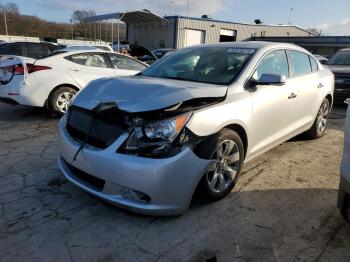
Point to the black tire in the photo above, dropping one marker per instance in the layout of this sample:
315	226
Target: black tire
316	131
55	105
208	150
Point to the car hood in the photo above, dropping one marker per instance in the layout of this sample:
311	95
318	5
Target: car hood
339	69
141	94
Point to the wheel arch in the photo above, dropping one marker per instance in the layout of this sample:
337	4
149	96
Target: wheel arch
330	99
57	87
242	134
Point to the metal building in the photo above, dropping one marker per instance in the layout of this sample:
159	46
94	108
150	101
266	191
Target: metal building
178	31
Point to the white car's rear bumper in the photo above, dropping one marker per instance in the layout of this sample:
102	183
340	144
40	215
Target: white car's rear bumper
17	92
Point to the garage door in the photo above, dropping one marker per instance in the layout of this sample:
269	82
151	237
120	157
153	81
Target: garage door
194	37
227	35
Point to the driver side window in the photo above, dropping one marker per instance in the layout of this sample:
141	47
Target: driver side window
274	63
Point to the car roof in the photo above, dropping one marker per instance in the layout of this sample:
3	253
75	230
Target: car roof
92	45
68	53
254	45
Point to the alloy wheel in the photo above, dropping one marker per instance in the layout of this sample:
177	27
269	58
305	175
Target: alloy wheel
322	117
225	166
63	101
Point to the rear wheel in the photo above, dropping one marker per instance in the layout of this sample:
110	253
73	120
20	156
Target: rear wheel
319	127
227	152
60	100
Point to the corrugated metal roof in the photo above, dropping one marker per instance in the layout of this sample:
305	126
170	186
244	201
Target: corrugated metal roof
141	16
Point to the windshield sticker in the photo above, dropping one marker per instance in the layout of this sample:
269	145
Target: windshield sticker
241	50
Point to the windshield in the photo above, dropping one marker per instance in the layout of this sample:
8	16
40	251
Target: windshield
214	65
340	58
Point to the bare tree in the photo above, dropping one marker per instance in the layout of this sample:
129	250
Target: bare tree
9	8
81	25
315	31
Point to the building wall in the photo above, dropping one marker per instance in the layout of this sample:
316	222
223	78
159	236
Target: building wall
171	34
244	31
152	35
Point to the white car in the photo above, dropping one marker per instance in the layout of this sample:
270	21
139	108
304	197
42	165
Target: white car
54	80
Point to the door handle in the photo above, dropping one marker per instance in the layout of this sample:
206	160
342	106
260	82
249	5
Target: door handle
292	95
75	70
320	85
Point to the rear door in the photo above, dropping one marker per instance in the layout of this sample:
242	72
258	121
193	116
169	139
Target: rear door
273	105
305	77
85	67
125	66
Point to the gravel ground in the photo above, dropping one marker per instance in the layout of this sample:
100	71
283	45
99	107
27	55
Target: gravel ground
282	209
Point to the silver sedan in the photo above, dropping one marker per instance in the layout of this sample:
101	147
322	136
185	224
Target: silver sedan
189	122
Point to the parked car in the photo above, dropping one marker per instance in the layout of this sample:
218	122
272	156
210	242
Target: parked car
323	60
88	47
344	186
122	45
142	54
191	121
339	64
159	53
53	81
29	49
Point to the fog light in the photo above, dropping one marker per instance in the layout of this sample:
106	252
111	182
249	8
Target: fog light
135	195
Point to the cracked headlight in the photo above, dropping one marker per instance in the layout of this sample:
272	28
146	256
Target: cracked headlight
156	138
167	129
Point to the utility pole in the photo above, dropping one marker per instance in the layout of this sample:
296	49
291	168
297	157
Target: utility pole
172	2
100	31
188	15
112	34
7	33
290	15
71	25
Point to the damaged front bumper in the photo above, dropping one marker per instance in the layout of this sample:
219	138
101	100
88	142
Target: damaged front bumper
145	185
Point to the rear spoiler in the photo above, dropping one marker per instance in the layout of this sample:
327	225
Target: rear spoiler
12	60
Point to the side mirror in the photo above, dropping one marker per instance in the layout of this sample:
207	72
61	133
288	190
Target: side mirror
269	79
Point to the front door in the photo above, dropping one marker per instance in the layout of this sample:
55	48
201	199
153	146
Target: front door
273	105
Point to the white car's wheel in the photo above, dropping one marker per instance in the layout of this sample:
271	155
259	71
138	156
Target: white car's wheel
60	100
318	129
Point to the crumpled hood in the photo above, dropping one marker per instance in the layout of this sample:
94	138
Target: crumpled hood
140	94
339	69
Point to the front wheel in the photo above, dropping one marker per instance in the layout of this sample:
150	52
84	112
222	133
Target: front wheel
318	129
60	100
226	151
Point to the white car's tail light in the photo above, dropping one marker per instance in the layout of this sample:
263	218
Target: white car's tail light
19	70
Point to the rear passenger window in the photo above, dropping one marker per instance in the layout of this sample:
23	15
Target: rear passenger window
89	59
11	49
314	65
274	63
300	63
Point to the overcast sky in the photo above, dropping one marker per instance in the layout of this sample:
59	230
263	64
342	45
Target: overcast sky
331	16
